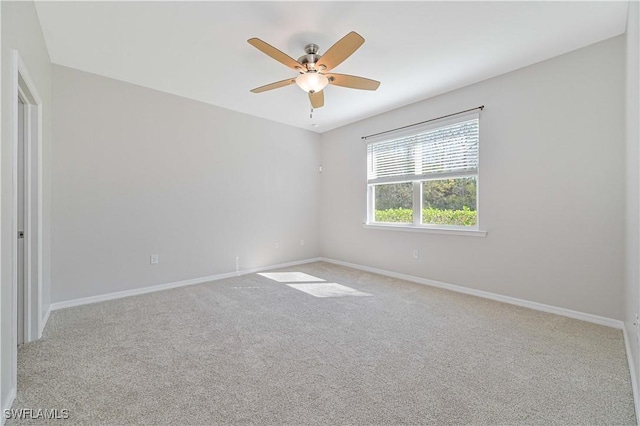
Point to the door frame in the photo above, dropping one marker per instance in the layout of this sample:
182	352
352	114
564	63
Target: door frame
23	139
25	88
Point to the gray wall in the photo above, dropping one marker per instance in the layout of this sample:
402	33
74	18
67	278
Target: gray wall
139	172
632	276
21	31
552	178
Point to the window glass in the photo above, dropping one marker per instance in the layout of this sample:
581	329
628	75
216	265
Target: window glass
449	202
394	202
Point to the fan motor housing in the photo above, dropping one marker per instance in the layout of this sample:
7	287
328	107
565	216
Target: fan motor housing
311	57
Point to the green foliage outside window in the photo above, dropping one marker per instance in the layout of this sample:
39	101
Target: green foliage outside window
449	194
464	217
444	202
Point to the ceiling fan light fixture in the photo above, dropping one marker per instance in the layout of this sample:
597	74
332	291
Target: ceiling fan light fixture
312	68
312	82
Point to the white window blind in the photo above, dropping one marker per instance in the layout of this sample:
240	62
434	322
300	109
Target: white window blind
438	152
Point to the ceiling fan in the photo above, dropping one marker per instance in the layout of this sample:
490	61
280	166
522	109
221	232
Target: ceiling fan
313	68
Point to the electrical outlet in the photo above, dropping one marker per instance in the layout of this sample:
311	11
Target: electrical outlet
301	242
416	254
276	245
154	259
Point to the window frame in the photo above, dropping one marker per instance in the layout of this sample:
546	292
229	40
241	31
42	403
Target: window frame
417	204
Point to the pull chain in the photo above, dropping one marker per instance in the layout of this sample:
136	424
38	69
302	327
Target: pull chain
311	113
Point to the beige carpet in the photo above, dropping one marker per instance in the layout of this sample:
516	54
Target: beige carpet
251	350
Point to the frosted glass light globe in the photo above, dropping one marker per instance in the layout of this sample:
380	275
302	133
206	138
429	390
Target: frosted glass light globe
312	82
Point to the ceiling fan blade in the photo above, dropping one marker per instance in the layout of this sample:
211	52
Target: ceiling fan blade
279	56
275	85
352	82
317	99
340	51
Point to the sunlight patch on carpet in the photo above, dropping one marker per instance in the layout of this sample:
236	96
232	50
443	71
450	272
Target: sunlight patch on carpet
290	277
328	290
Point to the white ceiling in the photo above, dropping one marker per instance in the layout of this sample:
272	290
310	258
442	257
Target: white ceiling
416	49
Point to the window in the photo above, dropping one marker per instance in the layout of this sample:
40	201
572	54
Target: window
427	176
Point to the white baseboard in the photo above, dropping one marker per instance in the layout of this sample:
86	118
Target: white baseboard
609	322
632	371
167	286
43	322
7	403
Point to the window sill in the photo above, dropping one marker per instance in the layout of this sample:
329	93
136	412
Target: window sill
426	229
